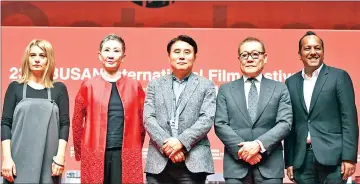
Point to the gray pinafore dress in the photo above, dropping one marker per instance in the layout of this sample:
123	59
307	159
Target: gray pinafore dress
35	139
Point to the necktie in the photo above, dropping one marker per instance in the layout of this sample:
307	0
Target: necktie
253	99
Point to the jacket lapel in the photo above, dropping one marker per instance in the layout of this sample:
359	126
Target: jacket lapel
168	93
318	86
300	88
266	91
191	85
238	94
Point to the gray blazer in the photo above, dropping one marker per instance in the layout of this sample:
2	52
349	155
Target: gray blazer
272	125
197	110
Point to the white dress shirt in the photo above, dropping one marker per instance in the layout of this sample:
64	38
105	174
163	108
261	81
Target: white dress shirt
308	88
247	85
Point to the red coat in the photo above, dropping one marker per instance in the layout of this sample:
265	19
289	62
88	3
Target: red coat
89	134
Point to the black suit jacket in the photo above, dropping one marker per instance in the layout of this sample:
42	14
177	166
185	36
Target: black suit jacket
331	120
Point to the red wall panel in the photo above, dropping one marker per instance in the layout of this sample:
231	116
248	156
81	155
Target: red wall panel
316	15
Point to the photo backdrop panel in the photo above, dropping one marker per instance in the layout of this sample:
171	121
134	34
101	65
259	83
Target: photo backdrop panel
76	53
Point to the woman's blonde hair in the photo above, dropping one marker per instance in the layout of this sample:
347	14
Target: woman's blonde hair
48	75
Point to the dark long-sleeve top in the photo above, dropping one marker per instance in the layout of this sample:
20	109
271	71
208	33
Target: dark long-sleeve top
14	95
115	125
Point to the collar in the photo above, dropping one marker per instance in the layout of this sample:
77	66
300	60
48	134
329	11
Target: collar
107	78
258	78
183	80
314	74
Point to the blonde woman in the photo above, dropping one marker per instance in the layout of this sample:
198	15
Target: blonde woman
35	120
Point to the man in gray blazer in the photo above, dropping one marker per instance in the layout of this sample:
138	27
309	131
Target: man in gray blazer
253	115
178	113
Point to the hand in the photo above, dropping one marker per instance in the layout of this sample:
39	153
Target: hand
255	159
248	150
290	173
8	169
171	146
179	156
347	169
57	165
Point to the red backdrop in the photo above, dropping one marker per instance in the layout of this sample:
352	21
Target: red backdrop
76	58
212	14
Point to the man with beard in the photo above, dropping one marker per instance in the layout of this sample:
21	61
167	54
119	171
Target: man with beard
323	144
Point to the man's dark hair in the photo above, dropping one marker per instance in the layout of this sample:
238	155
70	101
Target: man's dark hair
309	33
183	38
113	37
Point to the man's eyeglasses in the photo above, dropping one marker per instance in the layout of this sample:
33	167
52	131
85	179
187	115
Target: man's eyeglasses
254	54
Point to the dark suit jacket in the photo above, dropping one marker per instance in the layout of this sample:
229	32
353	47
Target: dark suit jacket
272	125
332	119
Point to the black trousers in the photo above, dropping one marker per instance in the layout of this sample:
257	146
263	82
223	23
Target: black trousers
112	171
313	172
176	173
254	177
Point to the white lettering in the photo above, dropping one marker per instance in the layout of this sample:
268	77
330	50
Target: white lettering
75	74
216	75
15	73
278	75
132	74
223	75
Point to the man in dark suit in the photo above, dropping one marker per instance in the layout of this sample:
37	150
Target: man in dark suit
323	143
253	115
